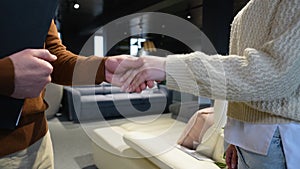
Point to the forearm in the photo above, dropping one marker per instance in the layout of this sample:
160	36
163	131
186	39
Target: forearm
71	69
253	77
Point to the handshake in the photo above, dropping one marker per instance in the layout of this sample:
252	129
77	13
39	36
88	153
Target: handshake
33	70
135	74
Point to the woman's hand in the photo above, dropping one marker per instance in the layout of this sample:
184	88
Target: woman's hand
231	157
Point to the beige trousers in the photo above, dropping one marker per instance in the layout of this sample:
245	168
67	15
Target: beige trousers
37	156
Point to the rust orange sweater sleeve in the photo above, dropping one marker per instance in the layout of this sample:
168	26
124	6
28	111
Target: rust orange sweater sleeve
6	77
71	69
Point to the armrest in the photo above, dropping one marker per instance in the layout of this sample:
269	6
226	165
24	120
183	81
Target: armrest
163	154
73	100
101	90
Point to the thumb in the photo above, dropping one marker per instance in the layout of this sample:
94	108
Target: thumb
44	54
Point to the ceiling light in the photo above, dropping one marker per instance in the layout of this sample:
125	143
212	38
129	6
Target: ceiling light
188	15
76	5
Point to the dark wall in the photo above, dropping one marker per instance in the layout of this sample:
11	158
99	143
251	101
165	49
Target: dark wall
217	17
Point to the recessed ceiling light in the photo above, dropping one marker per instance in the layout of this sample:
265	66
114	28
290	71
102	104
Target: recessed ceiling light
76	6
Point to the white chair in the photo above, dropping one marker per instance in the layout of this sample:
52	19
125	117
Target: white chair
152	143
53	97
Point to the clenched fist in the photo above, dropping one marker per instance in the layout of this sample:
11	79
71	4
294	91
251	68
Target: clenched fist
32	72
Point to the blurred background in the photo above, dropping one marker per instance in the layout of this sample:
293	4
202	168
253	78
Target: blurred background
78	20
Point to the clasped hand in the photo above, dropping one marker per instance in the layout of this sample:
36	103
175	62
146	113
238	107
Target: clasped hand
135	74
32	68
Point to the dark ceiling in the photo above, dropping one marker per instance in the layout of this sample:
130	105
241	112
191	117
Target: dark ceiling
95	13
77	25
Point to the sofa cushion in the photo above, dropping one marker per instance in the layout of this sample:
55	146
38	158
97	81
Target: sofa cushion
164	127
212	144
154	127
110	151
108	142
163	154
111	140
196	127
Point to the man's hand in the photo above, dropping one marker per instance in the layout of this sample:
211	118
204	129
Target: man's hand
231	157
117	66
32	72
121	67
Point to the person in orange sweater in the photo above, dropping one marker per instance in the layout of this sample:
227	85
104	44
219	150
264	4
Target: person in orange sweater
25	74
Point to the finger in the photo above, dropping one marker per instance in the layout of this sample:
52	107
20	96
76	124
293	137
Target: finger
138	79
130	78
228	163
116	80
43	54
150	84
228	158
234	160
143	86
42	65
138	90
126	75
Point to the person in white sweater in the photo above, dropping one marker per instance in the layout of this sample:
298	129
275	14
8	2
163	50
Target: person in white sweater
259	78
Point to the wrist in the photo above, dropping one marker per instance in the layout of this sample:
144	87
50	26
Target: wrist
162	67
104	70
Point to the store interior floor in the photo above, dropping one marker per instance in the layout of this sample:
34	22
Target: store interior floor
71	144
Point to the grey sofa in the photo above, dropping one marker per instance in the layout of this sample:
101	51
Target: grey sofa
101	102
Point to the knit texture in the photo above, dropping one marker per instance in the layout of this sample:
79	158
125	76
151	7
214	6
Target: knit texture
260	77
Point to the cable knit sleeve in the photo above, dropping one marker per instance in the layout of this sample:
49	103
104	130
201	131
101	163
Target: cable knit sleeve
270	71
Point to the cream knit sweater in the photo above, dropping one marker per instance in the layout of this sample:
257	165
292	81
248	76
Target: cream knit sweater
261	76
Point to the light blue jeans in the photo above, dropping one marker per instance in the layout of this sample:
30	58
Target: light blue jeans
275	158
